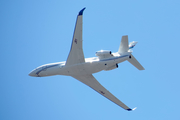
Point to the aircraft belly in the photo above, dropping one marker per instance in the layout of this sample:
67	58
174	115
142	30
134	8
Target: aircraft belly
75	70
93	67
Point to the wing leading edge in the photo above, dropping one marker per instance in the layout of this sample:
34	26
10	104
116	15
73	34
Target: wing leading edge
76	54
90	81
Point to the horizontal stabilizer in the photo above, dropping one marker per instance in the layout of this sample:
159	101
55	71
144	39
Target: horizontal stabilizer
134	62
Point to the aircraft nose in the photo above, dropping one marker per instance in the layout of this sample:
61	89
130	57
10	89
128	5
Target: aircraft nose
33	74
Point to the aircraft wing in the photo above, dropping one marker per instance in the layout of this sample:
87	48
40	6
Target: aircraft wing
76	54
90	81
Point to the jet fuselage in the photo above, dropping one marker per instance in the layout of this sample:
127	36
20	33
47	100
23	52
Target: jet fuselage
92	65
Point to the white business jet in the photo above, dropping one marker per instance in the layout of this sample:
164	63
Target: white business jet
82	68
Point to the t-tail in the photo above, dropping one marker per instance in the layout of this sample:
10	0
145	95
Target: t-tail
125	48
132	44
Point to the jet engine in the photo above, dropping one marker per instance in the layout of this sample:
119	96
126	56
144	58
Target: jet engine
112	67
103	53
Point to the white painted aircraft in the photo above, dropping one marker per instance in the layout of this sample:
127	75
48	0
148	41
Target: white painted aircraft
82	68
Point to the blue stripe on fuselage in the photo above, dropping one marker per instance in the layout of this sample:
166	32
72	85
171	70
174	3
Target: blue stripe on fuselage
114	58
46	67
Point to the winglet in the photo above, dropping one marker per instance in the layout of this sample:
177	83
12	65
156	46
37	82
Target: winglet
81	12
131	109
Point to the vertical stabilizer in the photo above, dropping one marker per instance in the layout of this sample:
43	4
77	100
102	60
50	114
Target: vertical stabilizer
124	47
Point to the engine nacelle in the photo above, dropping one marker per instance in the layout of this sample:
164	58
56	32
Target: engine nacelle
103	53
112	67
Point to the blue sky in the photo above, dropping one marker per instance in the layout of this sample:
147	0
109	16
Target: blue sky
36	32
